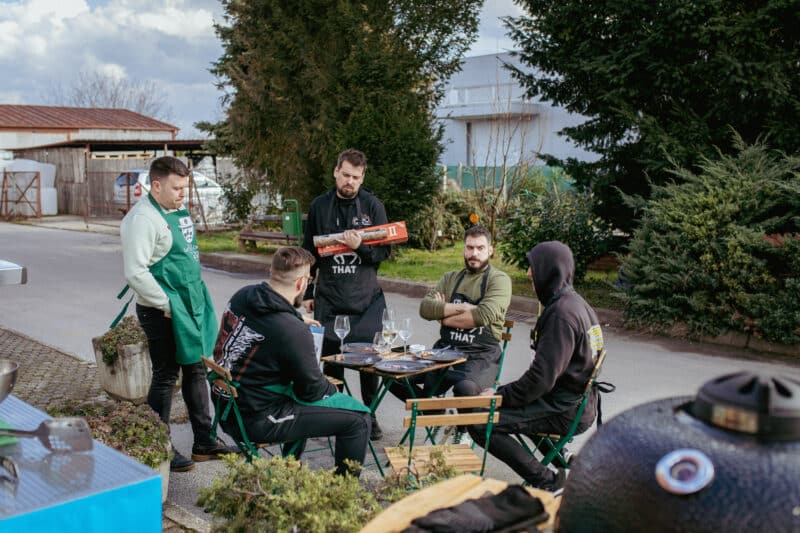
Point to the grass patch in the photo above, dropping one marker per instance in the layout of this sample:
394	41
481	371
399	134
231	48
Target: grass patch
423	266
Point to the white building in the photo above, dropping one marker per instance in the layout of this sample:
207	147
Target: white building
489	123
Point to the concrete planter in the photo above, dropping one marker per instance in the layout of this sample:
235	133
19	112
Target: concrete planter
129	377
163	470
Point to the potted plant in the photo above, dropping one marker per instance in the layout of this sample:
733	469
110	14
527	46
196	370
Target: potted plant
123	362
135	430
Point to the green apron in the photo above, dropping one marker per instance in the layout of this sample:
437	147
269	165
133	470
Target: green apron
178	273
336	400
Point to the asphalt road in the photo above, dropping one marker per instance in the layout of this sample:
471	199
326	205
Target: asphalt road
74	278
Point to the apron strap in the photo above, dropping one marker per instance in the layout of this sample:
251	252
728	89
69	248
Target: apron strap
484	281
124	307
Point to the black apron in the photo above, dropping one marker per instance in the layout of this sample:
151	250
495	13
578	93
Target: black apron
478	344
345	287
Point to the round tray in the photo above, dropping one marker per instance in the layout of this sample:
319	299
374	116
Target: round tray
400	366
440	356
357	359
359	347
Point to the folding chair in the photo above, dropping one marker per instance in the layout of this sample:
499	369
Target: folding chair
460	456
551	446
506	336
221	378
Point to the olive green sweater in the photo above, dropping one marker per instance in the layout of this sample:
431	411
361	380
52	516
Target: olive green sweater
491	311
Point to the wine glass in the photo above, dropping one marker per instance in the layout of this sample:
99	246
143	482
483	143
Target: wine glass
404	330
341	326
378	342
388	314
389	333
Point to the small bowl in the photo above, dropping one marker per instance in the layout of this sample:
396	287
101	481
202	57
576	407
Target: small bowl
8	377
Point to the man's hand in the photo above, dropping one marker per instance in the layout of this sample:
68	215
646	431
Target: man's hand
351	239
439	297
167	314
310	321
308	305
488	392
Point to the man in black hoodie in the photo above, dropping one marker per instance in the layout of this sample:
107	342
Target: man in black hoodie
565	343
269	350
347	283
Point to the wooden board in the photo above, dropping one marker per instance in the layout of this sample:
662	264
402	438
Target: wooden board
460	456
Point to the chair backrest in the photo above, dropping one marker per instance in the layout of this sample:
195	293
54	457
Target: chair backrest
221	377
456	419
598	364
506	337
420	405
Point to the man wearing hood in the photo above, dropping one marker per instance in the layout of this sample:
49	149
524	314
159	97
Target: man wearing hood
565	343
347	283
269	350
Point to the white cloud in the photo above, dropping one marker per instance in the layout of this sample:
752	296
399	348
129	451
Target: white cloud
112	70
492	33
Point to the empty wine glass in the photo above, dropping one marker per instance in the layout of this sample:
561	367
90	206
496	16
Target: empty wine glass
404	330
388	314
389	333
341	326
378	342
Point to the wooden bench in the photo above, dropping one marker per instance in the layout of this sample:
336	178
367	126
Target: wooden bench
460	456
249	238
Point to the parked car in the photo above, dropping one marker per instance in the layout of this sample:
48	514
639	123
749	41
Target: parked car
131	185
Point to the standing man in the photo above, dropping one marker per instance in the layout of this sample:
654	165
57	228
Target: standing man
162	266
269	350
347	283
565	343
471	306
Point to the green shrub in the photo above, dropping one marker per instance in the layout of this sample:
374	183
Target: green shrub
438	223
135	430
128	331
721	249
554	215
285	495
238	201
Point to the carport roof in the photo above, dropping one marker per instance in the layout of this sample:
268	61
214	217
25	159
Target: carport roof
37	116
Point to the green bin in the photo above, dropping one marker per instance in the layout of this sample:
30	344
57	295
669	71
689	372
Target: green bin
292	219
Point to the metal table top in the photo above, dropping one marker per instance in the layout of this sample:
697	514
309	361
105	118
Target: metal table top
49	479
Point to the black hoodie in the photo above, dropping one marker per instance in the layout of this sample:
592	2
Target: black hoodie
263	341
567	336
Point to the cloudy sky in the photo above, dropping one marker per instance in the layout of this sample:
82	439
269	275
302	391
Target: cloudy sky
169	42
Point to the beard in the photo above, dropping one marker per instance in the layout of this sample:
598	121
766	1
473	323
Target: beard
473	270
347	194
298	300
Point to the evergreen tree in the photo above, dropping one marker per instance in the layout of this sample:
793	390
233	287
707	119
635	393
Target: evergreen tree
661	79
307	78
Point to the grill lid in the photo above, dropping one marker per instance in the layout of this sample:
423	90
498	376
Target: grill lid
757	404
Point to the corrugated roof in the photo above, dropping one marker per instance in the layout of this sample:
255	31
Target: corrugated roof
39	116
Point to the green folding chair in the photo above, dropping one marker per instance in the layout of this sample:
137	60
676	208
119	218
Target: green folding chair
221	378
550	446
506	336
460	456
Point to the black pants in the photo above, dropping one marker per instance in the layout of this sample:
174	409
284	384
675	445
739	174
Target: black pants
526	420
350	428
161	344
369	382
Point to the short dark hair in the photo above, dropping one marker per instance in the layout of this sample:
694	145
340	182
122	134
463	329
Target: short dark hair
286	261
162	167
352	156
477	231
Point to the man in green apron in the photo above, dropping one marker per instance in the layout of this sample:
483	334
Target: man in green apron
269	350
162	266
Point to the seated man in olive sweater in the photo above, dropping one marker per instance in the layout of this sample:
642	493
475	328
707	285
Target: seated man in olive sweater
471	306
565	343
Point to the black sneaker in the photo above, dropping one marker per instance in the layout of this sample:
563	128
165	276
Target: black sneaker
377	432
180	463
208	452
556	483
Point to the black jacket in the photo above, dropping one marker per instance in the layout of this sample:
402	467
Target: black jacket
566	339
263	341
